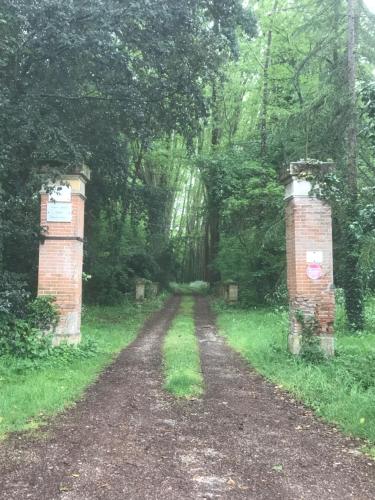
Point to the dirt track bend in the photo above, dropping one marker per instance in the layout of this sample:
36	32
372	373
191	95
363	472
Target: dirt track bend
127	439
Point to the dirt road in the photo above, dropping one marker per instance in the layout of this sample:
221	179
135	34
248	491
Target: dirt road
128	439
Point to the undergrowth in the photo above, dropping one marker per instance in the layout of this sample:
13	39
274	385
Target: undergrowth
33	389
340	390
193	288
182	369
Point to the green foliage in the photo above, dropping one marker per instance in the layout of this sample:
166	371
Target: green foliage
311	351
182	370
42	313
14	295
45	356
117	255
194	288
252	250
359	365
18	338
100	83
307	111
30	338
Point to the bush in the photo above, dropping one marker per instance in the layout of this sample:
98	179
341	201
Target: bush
42	313
30	337
199	287
194	288
18	338
311	351
14	295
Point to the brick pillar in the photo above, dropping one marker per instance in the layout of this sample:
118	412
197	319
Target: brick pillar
309	256
61	251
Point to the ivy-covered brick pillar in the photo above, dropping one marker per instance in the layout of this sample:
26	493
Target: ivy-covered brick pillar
61	250
309	257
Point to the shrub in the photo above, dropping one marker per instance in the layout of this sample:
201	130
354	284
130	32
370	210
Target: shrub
194	288
30	337
18	338
311	351
14	295
42	313
199	287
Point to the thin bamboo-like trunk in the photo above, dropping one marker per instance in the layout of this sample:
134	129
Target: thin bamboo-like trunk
265	96
352	77
353	283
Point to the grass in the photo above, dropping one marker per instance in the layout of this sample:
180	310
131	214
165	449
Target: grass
341	391
193	288
29	396
182	370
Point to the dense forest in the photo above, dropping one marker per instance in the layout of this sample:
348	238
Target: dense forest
185	113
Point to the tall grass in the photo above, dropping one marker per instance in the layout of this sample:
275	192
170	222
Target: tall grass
28	396
182	371
341	390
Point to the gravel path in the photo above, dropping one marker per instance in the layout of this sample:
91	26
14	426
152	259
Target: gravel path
128	439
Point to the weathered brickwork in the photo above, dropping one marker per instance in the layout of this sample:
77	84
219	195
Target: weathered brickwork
61	260
309	232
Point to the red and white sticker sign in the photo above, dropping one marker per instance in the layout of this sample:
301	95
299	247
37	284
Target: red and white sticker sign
314	271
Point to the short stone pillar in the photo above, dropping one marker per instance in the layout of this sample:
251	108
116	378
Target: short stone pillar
61	250
309	256
229	292
140	287
232	293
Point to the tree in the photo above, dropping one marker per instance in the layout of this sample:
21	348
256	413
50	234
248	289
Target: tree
85	81
353	274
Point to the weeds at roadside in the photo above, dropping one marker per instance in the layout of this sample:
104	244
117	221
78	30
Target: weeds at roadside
340	390
34	389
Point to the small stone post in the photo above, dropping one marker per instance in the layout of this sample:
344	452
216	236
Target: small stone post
309	256
232	293
61	251
140	286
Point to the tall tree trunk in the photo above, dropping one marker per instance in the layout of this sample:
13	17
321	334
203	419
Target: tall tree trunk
352	77
215	134
265	96
214	222
212	236
206	252
353	282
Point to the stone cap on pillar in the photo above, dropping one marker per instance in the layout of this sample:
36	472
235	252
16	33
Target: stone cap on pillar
83	171
298	176
305	169
76	179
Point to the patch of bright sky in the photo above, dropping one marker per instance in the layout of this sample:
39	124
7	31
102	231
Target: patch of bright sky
370	4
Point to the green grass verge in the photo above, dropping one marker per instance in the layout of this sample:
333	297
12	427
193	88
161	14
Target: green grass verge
27	397
182	370
341	391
